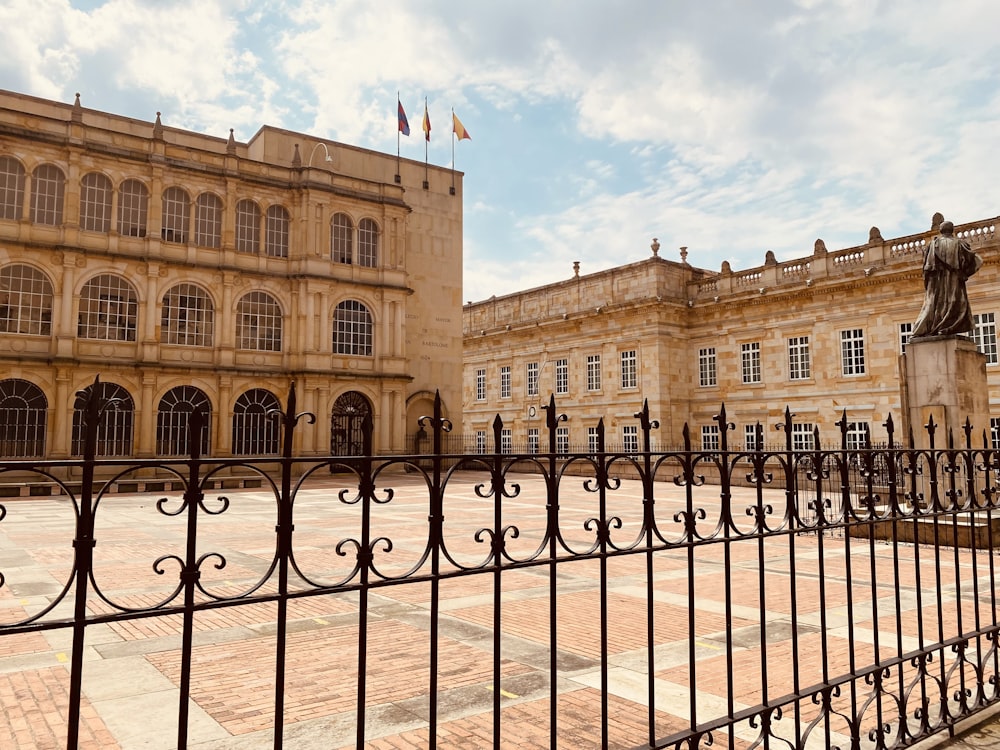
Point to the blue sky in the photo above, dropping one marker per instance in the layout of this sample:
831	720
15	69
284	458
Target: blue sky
728	127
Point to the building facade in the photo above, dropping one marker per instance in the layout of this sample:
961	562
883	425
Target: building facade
195	272
821	336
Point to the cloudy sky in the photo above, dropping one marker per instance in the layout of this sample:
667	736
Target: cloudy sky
730	127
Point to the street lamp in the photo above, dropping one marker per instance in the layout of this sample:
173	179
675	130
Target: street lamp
325	151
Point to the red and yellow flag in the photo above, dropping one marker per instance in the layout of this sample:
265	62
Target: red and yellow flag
459	128
427	123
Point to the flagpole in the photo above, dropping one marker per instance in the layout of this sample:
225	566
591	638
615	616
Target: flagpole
427	140
452	150
398	105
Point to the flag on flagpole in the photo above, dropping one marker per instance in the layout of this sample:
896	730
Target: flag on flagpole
459	128
427	123
404	125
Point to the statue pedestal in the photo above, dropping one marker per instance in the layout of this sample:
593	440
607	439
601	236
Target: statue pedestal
945	377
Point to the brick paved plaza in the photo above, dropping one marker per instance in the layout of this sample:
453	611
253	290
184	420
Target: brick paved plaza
132	668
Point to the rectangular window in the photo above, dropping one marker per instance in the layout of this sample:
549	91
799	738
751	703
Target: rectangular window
706	367
531	379
857	433
592	443
995	433
710	440
798	358
852	351
905	331
532	440
750	362
802	437
506	440
750	438
505	381
480	385
593	372
562	439
630	438
630	370
562	376
984	333
480	441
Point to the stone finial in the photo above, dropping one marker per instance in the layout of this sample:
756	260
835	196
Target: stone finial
819	247
684	254
726	268
576	268
769	259
936	221
158	128
874	235
77	115
296	157
231	143
655	247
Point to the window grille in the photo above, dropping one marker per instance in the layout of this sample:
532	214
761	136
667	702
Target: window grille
505	381
480	385
346	421
176	215
95	202
208	220
905	331
630	438
750	361
984	333
531	379
133	209
25	301
173	419
710	437
276	232
188	316
114	430
367	243
629	370
258	323
108	309
352	329
11	188
255	431
562	439
247	227
593	372
48	187
341	238
852	351
562	376
532	440
707	367
23	418
798	358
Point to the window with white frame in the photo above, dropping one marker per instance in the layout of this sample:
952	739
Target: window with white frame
750	362
995	433
342	239
353	332
480	441
95	202
276	232
857	433
11	188
258	322
593	372
710	437
25	301
208	220
108	309
562	439
506	440
247	227
48	188
188	316
505	381
532	440
133	208
798	358
852	351
984	333
629	369
630	438
593	442
531	379
905	331
480	385
802	436
706	367
176	215
751	438
562	376
367	243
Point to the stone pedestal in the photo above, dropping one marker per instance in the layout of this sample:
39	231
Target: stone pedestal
945	377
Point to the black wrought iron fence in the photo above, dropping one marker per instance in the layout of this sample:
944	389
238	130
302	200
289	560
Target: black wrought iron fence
665	611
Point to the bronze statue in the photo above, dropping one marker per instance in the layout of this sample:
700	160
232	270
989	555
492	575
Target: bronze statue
948	263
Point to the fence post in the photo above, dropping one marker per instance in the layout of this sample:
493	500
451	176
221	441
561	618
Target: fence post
552	421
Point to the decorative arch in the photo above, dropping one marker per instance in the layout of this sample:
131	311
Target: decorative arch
346	420
353	331
23	417
116	421
255	433
25	300
109	309
173	419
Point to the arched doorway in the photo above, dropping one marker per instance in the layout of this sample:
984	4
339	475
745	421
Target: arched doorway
348	414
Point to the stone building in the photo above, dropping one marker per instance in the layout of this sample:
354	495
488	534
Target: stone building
195	272
821	335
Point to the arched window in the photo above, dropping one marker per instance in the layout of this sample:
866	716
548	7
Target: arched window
95	202
48	187
352	329
258	323
25	301
341	238
276	235
133	209
367	243
247	227
114	428
11	188
173	417
108	309
188	316
23	415
176	215
208	220
255	433
346	420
